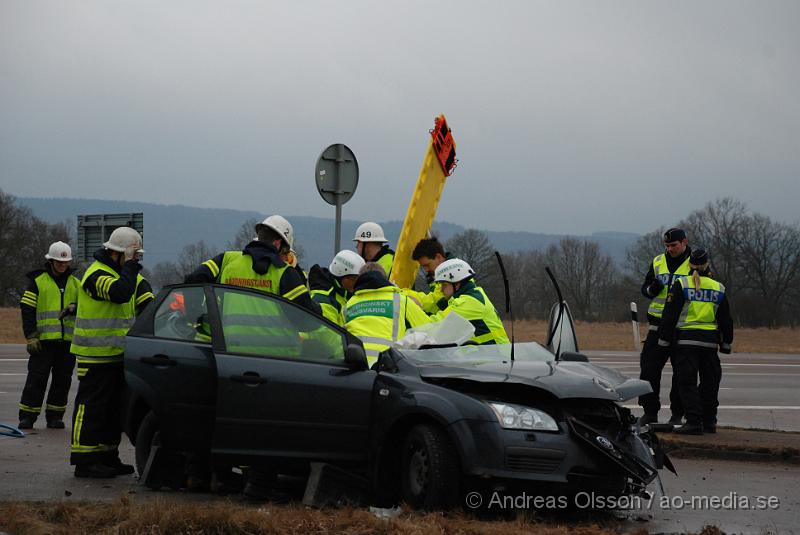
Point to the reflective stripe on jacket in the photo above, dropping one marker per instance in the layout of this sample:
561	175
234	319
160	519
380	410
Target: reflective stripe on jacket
100	325
472	304
49	303
331	302
379	317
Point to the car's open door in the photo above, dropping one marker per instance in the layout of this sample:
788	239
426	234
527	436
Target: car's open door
561	336
283	389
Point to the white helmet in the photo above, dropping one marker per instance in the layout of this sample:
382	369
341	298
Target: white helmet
59	251
122	238
453	270
280	225
346	263
370	231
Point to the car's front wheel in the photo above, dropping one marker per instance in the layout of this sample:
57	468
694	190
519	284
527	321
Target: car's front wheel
429	470
146	437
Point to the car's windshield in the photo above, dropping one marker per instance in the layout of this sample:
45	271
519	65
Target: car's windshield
472	354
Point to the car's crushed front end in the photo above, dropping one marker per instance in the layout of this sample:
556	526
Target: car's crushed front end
548	427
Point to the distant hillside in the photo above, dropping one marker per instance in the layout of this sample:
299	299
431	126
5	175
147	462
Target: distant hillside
168	228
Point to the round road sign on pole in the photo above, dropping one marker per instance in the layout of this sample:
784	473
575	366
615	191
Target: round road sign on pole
337	174
337	178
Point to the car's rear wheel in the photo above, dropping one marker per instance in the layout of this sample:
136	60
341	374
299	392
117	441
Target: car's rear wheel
429	475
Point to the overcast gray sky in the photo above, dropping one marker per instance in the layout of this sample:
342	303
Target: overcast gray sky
570	117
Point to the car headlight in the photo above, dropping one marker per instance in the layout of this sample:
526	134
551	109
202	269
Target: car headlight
519	417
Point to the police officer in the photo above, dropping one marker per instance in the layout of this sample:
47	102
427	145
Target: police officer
665	268
260	265
379	313
469	301
429	253
373	246
331	286
697	319
112	291
51	296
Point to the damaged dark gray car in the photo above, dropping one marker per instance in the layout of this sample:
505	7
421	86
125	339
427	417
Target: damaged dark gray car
423	426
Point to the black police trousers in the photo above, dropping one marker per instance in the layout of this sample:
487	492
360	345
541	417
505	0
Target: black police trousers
651	363
700	401
97	419
56	360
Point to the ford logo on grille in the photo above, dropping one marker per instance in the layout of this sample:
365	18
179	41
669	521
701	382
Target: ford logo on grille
605	443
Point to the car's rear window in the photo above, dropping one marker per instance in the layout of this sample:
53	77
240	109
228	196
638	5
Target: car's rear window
472	354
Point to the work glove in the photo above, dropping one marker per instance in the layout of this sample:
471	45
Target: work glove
69	310
34	346
725	349
655	288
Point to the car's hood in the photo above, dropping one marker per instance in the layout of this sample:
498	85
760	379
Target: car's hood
562	379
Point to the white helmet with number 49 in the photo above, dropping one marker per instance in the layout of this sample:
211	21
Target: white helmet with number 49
370	232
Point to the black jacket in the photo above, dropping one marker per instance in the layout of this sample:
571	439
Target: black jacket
123	288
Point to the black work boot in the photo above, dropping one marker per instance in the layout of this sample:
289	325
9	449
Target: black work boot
710	427
689	429
26	423
676	420
120	468
647	419
96	470
55	423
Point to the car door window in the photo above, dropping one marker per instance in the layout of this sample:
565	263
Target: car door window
263	325
183	315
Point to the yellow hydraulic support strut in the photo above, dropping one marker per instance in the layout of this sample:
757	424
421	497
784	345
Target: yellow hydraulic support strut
438	164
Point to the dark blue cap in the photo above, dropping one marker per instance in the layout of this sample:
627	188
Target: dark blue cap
674	234
698	257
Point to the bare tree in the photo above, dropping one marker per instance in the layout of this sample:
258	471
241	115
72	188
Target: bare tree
165	273
718	227
192	256
24	240
770	258
585	275
244	235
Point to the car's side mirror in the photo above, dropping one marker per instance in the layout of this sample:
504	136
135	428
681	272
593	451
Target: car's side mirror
571	356
355	357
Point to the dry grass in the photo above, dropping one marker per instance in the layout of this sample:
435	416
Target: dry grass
225	517
11	326
609	336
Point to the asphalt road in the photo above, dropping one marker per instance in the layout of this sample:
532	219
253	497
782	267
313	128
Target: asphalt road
757	390
37	467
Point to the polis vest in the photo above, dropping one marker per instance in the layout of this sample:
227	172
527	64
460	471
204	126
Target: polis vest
663	274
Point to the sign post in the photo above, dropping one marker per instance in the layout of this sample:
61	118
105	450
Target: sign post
336	176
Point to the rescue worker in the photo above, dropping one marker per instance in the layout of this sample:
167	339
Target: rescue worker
260	265
379	313
429	253
696	320
51	295
664	270
469	301
112	290
331	286
373	246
